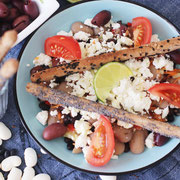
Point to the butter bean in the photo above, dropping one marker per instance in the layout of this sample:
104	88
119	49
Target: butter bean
10	162
30	157
28	174
42	177
15	174
5	133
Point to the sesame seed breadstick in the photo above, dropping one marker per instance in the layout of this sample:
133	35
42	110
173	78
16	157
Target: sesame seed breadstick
59	97
6	42
97	61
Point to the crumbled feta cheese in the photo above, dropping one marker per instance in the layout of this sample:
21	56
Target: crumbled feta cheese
53	84
42	117
82	127
107	177
160	62
64	33
149	142
114	157
81	35
124	124
81	141
127	41
115	25
66	110
165	112
54	113
154	38
42	59
107	35
158	111
88	22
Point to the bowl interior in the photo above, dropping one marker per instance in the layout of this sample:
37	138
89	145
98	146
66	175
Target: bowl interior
29	105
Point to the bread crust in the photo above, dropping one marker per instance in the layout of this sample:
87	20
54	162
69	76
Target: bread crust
95	62
59	97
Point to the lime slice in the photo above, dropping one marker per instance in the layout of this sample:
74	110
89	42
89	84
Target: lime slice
73	1
107	77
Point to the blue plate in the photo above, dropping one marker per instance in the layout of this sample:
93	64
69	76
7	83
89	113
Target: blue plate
28	104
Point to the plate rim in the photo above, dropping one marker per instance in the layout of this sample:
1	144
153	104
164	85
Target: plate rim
31	134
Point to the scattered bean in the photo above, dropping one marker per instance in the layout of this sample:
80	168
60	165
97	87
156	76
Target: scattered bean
5	133
1	176
107	177
54	130
101	18
15	174
122	134
30	157
137	142
41	176
10	162
79	26
28	174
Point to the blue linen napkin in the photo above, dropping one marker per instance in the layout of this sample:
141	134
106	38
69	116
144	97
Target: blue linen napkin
168	169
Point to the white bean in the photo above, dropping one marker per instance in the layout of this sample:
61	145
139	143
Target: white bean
5	133
1	176
42	177
107	177
10	162
1	142
28	174
30	157
15	174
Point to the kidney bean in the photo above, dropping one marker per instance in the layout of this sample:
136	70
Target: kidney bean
122	134
53	131
137	142
31	9
160	140
79	26
101	18
18	4
175	56
13	14
21	22
4	11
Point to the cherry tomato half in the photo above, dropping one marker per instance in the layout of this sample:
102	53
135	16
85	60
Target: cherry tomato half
102	144
170	92
142	31
62	46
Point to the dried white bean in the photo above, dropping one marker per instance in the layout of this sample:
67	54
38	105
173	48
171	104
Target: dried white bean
30	157
5	133
42	177
10	162
43	151
107	177
28	174
1	141
1	176
15	174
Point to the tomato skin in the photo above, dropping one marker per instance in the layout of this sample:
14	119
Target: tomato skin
62	46
169	91
144	30
92	155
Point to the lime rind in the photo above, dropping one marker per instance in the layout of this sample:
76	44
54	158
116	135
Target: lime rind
107	77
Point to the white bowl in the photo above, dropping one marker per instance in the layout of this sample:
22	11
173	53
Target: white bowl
46	8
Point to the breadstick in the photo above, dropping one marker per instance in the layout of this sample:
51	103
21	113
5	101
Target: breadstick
59	97
6	42
8	69
97	61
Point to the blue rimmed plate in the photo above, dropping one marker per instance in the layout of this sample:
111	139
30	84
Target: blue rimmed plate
28	104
